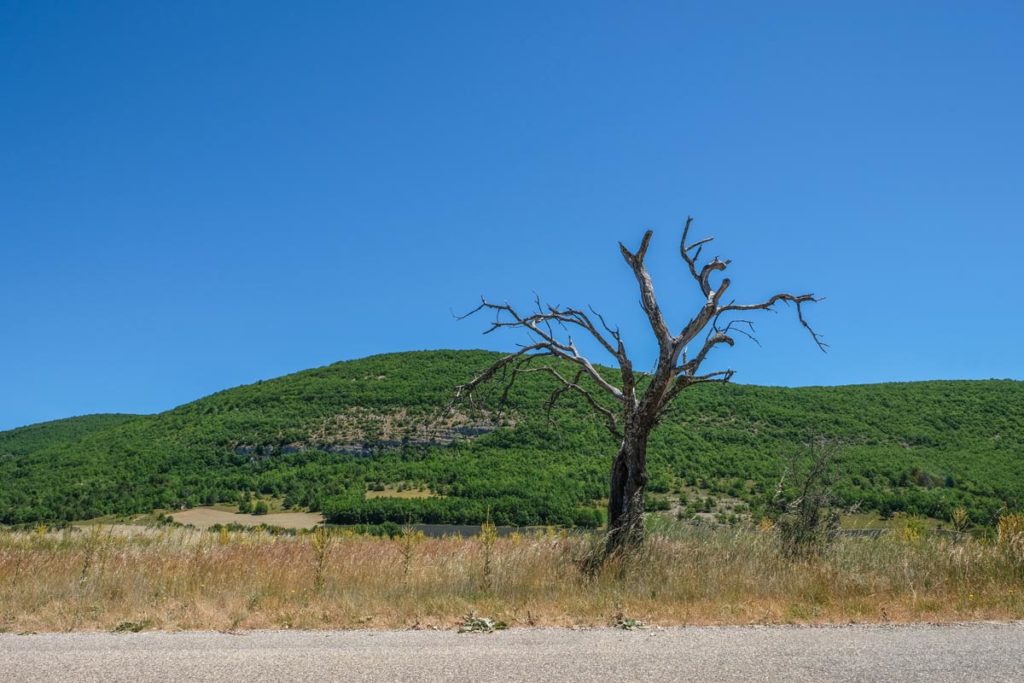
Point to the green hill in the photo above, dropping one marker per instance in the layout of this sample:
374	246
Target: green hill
334	438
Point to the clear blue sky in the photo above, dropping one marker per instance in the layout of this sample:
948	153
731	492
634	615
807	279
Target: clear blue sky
198	195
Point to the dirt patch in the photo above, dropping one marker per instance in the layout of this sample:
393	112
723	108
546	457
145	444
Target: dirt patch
203	518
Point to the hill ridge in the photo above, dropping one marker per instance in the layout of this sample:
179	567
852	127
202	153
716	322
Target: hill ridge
923	446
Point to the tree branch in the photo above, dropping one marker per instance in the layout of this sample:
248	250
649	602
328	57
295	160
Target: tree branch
465	391
798	299
566	385
712	309
539	326
670	375
647	299
684	381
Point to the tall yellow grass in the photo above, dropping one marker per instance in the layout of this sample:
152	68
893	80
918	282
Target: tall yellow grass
187	579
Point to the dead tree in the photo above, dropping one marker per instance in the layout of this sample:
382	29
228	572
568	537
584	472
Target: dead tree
806	517
638	400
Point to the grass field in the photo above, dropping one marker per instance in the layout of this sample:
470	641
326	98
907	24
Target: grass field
174	578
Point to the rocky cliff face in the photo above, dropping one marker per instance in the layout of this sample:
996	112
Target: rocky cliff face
364	432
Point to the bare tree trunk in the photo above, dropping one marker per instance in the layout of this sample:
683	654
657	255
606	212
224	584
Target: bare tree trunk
626	496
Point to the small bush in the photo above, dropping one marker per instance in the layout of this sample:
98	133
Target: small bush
320	541
959	519
806	520
488	537
1010	537
407	542
474	624
627	623
132	626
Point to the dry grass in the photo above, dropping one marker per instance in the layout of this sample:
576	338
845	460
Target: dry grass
188	579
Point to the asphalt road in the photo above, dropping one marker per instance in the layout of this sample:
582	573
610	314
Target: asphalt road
979	652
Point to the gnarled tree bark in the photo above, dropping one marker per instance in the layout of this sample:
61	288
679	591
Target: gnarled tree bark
635	411
626	491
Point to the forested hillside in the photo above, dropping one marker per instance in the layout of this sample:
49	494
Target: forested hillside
25	440
323	438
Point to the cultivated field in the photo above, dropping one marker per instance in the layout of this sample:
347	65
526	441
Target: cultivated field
204	518
173	578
